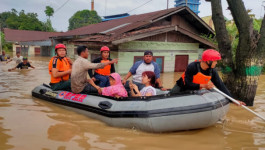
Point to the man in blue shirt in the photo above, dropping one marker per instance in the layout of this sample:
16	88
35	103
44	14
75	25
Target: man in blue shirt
147	64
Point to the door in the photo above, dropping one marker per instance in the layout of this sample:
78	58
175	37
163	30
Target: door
160	61
181	62
37	51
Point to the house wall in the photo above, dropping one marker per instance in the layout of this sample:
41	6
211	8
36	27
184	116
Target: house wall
128	50
170	37
31	49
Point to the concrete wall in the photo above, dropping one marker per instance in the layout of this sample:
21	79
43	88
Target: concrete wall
128	50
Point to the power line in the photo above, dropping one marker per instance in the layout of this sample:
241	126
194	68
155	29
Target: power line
140	6
61	6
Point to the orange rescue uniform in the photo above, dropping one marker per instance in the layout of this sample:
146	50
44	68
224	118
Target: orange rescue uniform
104	71
62	65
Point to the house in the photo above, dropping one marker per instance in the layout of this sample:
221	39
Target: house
174	35
31	43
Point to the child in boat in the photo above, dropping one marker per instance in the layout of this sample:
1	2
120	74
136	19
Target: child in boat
148	79
116	89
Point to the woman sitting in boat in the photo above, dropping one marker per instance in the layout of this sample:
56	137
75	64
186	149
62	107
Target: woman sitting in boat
148	79
116	89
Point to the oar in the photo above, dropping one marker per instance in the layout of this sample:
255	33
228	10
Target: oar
235	101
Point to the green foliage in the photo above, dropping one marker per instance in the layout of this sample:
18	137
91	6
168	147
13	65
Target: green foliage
23	21
48	26
6	46
49	11
210	38
83	18
234	35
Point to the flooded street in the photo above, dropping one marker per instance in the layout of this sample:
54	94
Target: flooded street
28	123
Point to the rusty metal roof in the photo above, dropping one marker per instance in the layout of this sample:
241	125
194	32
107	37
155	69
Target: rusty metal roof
122	25
12	35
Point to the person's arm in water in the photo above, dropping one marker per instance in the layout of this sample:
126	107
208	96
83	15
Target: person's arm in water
31	65
90	81
18	66
12	69
9	61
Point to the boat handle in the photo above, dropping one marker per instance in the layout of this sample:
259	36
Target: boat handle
105	105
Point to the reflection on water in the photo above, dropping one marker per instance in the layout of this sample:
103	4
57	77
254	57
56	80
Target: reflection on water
30	123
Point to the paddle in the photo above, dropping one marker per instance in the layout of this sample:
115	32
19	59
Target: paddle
235	101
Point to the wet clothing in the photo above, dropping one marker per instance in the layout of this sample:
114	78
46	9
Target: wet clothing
62	65
148	89
140	66
79	73
116	90
63	85
18	59
188	82
102	74
23	66
4	57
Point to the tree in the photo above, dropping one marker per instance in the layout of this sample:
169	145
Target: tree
21	20
241	75
49	11
83	18
48	24
6	46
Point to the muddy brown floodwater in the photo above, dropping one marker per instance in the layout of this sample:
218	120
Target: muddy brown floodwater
28	123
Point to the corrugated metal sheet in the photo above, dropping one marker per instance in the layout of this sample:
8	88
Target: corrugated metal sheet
12	35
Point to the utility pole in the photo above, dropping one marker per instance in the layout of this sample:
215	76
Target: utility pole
0	39
92	4
167	4
186	2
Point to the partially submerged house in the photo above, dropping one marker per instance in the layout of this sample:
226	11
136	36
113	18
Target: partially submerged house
174	35
31	43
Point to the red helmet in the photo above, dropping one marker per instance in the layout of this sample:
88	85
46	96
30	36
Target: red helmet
211	55
60	46
104	48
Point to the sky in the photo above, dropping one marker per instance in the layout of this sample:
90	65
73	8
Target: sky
110	7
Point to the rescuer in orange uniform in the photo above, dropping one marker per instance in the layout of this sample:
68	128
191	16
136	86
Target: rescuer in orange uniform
102	75
60	69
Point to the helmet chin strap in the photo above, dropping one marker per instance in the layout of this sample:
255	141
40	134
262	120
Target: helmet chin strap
209	64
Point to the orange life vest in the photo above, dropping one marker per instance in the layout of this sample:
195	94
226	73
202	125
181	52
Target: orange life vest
62	65
199	78
104	71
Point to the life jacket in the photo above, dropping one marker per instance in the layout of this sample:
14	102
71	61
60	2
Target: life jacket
62	65
199	78
104	71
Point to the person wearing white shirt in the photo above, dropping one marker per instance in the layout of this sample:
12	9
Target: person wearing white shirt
18	58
